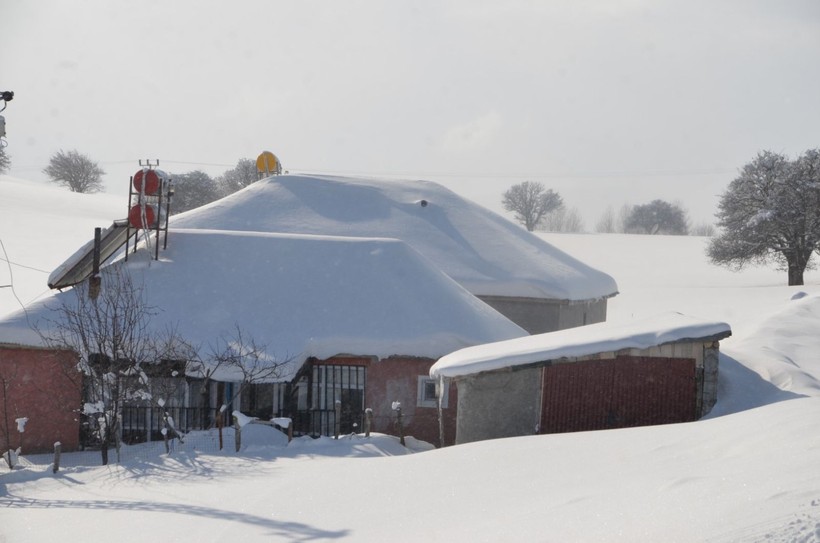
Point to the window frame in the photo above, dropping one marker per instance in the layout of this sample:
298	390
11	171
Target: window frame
422	400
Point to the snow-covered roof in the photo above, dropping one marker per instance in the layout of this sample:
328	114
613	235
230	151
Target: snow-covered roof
482	251
578	342
299	295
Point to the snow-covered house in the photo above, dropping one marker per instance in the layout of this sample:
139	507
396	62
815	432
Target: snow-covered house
654	371
359	320
533	283
260	261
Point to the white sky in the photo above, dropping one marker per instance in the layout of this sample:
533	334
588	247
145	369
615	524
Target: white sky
606	102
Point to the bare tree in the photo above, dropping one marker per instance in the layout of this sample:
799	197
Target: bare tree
244	360
240	358
75	171
562	220
703	229
112	337
623	218
5	160
530	201
606	224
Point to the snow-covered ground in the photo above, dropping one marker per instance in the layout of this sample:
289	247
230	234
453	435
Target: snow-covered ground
748	472
41	225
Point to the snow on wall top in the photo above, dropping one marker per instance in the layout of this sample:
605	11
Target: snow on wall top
300	295
577	342
482	251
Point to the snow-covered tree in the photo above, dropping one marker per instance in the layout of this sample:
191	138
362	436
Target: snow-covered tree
76	171
192	190
239	177
771	213
111	335
531	201
657	217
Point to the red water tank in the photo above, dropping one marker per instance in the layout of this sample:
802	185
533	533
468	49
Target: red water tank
149	178
135	216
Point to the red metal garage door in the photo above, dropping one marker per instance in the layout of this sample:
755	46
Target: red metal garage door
628	391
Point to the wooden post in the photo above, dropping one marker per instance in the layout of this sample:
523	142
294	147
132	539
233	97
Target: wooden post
290	432
368	421
57	448
9	458
220	424
338	425
95	282
165	432
237	433
399	421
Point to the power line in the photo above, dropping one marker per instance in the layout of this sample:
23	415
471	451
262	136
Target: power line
605	174
11	280
23	265
533	175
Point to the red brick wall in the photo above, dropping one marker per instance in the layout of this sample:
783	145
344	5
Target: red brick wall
396	379
43	386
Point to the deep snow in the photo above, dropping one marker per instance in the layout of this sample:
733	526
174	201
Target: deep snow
748	472
483	252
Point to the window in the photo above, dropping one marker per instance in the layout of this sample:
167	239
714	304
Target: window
428	393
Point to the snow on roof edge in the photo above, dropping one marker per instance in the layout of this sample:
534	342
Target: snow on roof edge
577	342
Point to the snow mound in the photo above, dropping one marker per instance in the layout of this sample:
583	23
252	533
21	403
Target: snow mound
783	349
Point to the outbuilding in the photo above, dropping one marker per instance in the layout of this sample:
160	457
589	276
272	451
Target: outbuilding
654	371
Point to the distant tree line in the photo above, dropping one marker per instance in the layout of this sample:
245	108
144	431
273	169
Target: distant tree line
655	217
538	208
79	173
197	188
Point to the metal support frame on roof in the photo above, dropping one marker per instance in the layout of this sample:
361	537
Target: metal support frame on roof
81	265
139	198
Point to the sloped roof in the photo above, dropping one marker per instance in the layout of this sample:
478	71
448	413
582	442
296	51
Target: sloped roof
577	342
300	295
482	251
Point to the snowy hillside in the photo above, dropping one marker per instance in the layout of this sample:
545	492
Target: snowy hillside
41	225
749	472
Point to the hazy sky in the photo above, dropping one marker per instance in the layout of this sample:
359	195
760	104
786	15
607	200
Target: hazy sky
607	102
